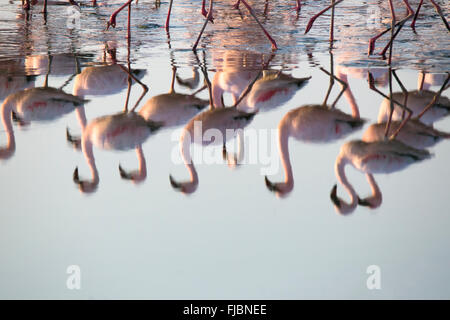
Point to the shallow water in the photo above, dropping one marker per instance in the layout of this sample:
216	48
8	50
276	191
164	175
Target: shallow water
231	237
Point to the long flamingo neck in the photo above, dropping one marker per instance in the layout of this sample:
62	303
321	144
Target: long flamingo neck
81	116
185	146
6	152
141	162
348	94
283	145
217	91
376	197
340	173
88	152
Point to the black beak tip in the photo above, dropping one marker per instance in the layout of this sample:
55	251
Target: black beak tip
363	202
76	177
269	184
333	196
173	183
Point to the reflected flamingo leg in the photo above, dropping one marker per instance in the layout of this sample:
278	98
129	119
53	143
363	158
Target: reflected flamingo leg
250	10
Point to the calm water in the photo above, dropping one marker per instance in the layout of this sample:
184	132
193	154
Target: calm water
230	237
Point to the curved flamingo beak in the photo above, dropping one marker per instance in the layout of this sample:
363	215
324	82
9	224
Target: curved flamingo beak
134	176
187	187
84	185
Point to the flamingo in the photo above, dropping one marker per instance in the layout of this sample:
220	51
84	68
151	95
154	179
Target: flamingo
312	123
417	101
414	133
13	78
235	71
273	89
172	109
34	104
221	119
394	23
384	156
122	131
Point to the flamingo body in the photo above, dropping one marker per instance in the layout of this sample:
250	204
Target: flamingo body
381	156
316	123
417	101
43	104
172	109
274	90
123	131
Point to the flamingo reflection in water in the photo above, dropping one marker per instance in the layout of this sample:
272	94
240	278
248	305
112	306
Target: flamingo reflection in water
377	153
218	119
319	123
123	131
34	105
173	109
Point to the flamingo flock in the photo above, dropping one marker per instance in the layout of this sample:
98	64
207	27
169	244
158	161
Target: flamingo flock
400	137
396	24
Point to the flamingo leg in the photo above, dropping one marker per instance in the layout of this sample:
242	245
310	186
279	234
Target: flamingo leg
311	21
405	108
26	5
439	11
112	18
332	24
436	96
129	24
236	5
413	23
168	15
208	16
400	24
298	6
252	13
205	13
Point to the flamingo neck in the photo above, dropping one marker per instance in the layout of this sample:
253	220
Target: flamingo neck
6	152
81	116
88	152
217	91
348	94
376	198
283	146
185	146
340	173
141	162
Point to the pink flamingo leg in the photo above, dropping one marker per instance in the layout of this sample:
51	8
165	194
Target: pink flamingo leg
413	23
168	16
298	6
112	19
400	24
236	5
205	13
311	21
272	41
439	11
208	17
